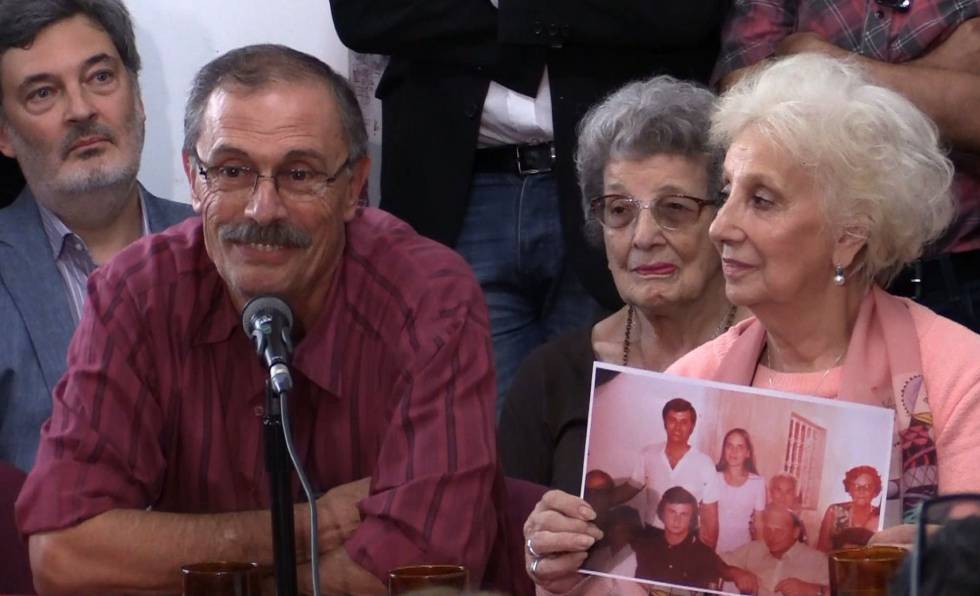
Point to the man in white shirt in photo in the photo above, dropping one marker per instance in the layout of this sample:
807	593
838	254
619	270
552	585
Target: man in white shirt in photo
676	463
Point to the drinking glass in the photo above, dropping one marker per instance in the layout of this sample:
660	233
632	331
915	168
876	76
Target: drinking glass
222	578
405	580
863	571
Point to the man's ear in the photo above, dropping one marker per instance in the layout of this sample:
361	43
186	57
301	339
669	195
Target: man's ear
195	182
358	182
5	145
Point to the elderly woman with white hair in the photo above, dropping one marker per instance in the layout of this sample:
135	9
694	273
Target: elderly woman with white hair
830	185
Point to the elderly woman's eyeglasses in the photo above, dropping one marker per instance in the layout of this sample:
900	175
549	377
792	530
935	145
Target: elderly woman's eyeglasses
299	184
936	512
671	212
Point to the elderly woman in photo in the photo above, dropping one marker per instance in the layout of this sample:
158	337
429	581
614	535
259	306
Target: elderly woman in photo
831	185
649	182
863	483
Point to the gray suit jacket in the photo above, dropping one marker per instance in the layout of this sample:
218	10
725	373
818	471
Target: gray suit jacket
36	322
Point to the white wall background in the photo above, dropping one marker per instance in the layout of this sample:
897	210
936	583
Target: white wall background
177	37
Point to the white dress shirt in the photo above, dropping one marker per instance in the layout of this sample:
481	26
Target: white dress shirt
511	118
695	473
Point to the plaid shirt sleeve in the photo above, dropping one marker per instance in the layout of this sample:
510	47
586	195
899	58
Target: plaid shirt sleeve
751	33
431	493
98	451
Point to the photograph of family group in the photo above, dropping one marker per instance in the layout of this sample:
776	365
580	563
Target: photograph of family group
728	489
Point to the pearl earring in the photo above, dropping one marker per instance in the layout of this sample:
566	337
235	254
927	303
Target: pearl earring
838	275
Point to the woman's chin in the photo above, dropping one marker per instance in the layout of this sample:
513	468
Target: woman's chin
739	296
651	303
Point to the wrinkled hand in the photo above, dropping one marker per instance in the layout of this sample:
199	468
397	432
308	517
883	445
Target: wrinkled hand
339	576
960	51
746	581
792	586
561	532
807	41
337	514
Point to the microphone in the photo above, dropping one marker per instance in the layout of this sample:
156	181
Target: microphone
268	321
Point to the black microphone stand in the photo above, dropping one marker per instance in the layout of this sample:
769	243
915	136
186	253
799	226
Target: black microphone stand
280	489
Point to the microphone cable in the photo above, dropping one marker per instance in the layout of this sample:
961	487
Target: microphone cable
287	433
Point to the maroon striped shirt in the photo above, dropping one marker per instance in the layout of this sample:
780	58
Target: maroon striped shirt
161	405
755	28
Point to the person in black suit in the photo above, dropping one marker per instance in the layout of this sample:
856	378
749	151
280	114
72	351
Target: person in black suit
480	102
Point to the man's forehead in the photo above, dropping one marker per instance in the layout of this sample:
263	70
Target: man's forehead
230	97
61	48
778	517
299	116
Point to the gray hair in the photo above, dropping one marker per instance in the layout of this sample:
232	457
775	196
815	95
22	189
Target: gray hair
257	66
22	20
639	120
876	156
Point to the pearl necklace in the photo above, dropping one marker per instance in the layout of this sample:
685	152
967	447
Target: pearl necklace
723	326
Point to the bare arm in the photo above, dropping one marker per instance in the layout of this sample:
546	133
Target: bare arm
132	549
338	517
126	549
746	581
823	542
340	575
709	524
792	586
624	492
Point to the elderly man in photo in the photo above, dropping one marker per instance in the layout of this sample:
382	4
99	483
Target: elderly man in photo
779	563
72	117
153	457
676	463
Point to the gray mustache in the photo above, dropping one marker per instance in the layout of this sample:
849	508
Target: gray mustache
87	128
277	234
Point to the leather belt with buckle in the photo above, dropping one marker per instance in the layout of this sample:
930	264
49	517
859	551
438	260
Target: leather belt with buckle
522	160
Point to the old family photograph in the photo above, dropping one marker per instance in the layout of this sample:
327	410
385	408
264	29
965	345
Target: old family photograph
727	489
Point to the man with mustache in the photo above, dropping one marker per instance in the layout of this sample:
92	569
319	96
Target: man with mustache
72	117
154	458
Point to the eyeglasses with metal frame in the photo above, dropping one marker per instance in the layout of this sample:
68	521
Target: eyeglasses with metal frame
300	184
671	212
937	511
